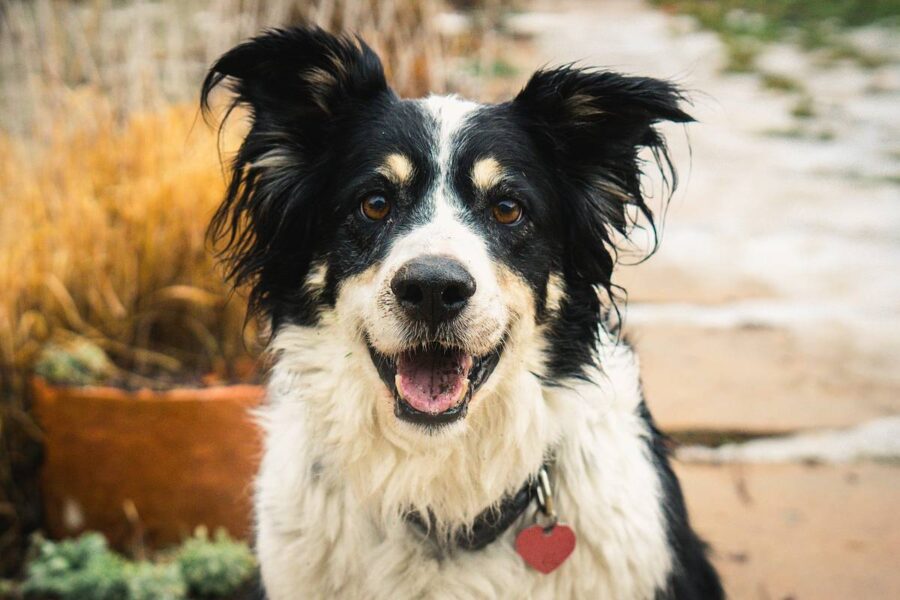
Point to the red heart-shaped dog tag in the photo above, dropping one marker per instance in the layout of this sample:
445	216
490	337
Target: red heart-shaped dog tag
545	549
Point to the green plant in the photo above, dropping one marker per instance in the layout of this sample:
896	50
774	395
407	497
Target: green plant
8	589
78	362
813	24
75	570
771	19
214	567
86	569
148	581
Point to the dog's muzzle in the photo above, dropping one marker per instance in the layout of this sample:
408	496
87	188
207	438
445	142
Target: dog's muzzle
432	380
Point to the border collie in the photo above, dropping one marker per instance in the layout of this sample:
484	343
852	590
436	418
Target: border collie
451	412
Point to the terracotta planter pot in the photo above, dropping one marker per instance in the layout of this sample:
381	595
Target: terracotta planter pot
147	467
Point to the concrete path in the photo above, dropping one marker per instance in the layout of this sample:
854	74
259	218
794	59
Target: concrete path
773	304
774	301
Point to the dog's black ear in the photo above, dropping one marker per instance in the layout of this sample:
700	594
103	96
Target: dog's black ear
293	76
591	126
300	86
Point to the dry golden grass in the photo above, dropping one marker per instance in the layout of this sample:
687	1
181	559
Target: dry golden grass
143	55
102	236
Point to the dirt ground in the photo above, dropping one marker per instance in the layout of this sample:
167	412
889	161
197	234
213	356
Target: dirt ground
773	303
799	531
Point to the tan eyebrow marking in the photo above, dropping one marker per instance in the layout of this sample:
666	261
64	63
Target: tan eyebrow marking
486	173
397	168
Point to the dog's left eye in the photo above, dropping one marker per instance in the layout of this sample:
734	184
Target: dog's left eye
507	212
375	207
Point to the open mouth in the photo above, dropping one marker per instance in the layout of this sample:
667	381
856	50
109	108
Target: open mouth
432	385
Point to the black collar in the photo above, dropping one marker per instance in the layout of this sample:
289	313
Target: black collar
489	525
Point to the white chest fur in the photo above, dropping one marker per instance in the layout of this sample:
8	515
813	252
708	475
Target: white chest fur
333	485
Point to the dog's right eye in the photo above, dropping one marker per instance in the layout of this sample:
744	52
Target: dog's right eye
507	212
375	207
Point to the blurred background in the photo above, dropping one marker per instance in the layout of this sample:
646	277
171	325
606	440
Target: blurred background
768	323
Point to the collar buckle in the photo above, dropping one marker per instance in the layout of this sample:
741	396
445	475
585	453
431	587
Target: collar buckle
544	494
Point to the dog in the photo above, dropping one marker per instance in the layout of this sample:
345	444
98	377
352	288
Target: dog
451	411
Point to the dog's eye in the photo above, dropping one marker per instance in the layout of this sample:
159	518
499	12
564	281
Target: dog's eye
507	212
375	207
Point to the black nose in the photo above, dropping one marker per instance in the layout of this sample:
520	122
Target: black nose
433	289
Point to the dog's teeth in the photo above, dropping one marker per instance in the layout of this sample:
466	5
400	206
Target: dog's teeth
465	388
397	381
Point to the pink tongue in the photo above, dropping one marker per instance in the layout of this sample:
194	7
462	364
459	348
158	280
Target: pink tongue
433	381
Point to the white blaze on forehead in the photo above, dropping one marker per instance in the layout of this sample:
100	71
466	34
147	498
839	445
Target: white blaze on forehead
446	233
450	113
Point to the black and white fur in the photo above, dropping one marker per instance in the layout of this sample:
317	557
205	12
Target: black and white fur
343	466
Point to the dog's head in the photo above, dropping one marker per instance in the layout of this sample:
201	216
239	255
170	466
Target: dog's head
452	240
